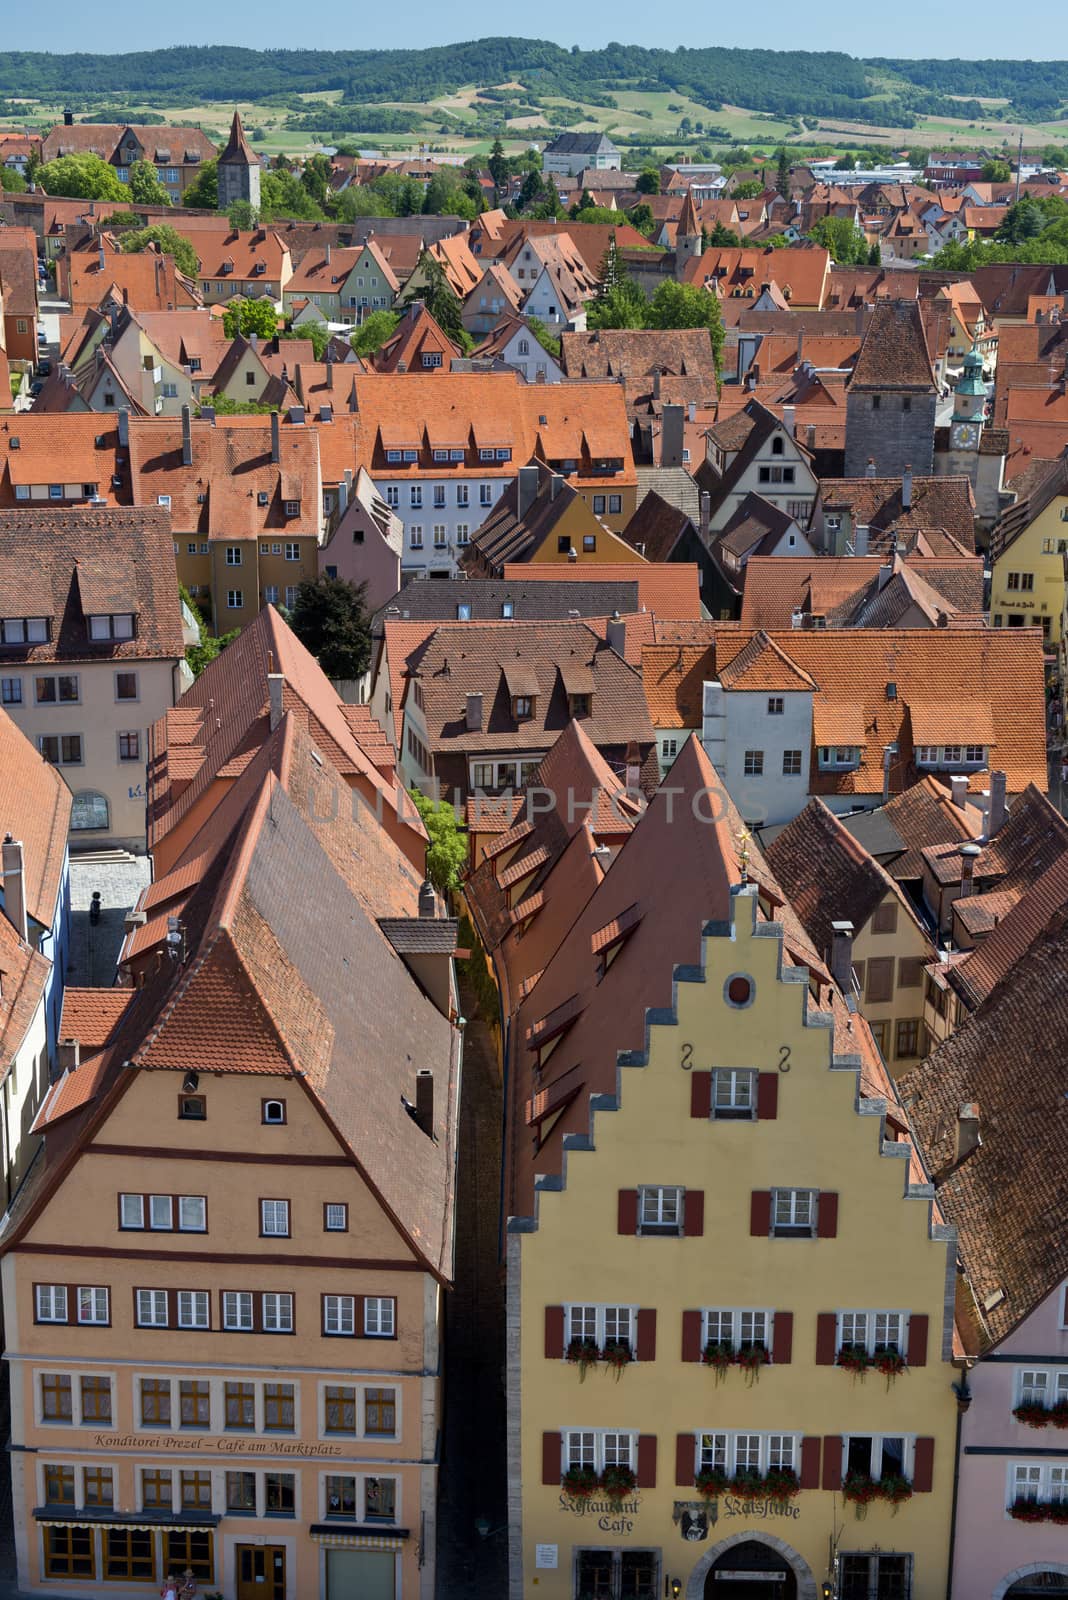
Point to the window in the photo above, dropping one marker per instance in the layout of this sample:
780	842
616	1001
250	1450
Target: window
746	1452
69	1552
235	599
129	746
339	1315
598	505
380	1413
379	1499
194	1308
876	1455
51	1302
660	1210
131	1210
23	630
239	1407
440	535
875	1577
884	919
439	496
130	1554
1023	581
415	496
59	1486
733	1094
873	1330
98	1486
292	550
64	750
415	535
277	1313
392	496
56	1403
907	1037
270	594
241	1493
274	1218
736	1328
273	1111
194	1403
880	988
522	706
279	1408
793	1213
1038	1482
93	1307
602	1324
192	1212
151	1308
617	1574
11	691
336	1217
157	1489
598	1448
233	555
155	1402
96	1399
589	541
461	494
339	1412
56	691
118	625
839	758
340	1497
777	445
190	1549
485	494
876	402
615	504
280	1494
89	811
775	705
791	763
463	533
754	763
379	1316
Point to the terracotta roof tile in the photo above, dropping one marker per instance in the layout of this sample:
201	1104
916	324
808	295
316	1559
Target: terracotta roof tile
669	589
34	807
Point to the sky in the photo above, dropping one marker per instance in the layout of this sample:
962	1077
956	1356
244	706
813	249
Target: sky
917	28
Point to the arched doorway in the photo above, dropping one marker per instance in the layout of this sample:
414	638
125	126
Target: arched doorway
1047	1582
752	1570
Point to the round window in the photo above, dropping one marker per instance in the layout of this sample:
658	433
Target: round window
739	990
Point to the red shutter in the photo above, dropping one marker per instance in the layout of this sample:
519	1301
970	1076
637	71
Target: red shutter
693	1213
760	1213
554	1332
628	1211
832	1461
916	1354
359	1316
810	1463
691	1338
767	1096
827	1215
685	1457
782	1337
646	1340
551	1452
701	1095
826	1338
923	1466
647	1461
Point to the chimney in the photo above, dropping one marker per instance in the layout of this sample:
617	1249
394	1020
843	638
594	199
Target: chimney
187	438
842	955
526	490
328	255
556	483
691	411
344	489
889	752
14	873
276	445
633	766
706	514
617	634
998	808
959	786
254	343
428	900
968	853
68	1055
968	1139
424	1101
473	717
275	686
671	436
886	572
906	489
124	427
860	320
869	470
800	345
789	419
102	257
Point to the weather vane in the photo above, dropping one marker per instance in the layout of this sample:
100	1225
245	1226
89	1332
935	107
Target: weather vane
743	854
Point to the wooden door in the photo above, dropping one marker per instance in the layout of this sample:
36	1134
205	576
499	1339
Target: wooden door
261	1572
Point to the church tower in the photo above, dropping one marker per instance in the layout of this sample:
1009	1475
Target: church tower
969	405
239	170
687	235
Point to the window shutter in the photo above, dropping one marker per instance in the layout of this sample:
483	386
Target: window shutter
647	1461
782	1337
916	1355
701	1095
826	1338
554	1332
693	1213
628	1211
923	1466
827	1216
760	1213
359	1316
832	1461
551	1454
810	1463
646	1340
691	1339
685	1458
767	1096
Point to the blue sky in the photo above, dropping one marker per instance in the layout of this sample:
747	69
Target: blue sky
912	28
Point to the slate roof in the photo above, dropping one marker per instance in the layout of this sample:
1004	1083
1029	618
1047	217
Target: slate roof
421	601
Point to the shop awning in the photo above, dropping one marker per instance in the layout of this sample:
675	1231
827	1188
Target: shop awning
141	1523
336	1536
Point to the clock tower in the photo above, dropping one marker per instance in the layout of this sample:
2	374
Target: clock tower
969	405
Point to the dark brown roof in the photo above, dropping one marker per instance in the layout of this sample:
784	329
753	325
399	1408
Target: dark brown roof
656	528
530	602
876	503
640	353
1042	906
755	521
894	353
238	150
924	815
1006	1198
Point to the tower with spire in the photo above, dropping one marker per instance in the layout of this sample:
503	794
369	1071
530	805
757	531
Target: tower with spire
239	170
687	235
969	405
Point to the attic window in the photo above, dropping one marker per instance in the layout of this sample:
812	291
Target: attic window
523	707
292	508
839	758
262	498
274	1111
118	625
579	704
23	630
507	608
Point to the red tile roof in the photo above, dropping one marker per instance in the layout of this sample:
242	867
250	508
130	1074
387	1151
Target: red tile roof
670	589
34	807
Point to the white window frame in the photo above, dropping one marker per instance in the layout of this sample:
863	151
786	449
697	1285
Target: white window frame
753	764
339	1223
149	1302
601	1323
734	1094
381	1321
237	1310
339	1316
276	1311
791	1207
1047	1479
98	1305
746	1450
737	1325
655	1202
908	1442
138	1211
159	1206
272	1212
873	1334
1050	1391
53	1298
199	1205
598	1448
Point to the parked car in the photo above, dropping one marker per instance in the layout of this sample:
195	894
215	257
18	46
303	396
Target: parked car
44	369
35	389
42	339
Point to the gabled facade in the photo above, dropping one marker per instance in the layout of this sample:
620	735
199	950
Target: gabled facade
176	153
892	395
1027	549
762	458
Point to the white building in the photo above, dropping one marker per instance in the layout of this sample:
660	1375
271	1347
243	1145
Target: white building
572	153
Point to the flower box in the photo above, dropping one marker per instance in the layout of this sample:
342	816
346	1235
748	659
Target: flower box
860	1491
1059	1414
718	1354
889	1362
618	1482
894	1489
1032	1414
748	1486
854	1358
580	1483
711	1481
1028	1511
781	1484
1058	1511
751	1357
616	1355
583	1353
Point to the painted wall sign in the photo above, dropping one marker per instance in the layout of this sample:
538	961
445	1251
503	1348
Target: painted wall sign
612	1516
758	1510
223	1447
752	1577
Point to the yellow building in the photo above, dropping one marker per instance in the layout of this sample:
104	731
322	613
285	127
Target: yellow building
1027	551
223	1294
716	1221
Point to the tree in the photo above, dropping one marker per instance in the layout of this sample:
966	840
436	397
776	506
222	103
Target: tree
613	272
358	201
624	306
996	172
282	194
530	190
585	202
721	238
875	255
437	295
145	187
548	341
847	245
201	654
245	317
169	241
848	162
373	333
317	332
498	166
684	305
12	182
446	850
1023	221
330	619
641	217
204	193
316	178
648	181
782	173
242	216
82	178
748	190
224	406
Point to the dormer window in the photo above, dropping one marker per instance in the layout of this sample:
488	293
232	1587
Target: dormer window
579	704
117	625
292	508
777	445
522	707
839	758
23	630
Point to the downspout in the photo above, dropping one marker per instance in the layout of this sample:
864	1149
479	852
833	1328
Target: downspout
963	1395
